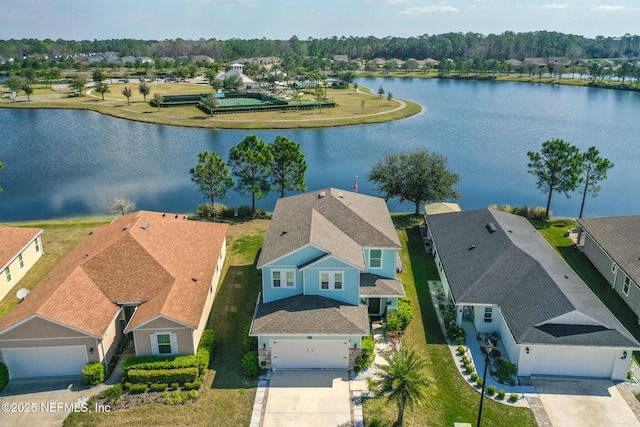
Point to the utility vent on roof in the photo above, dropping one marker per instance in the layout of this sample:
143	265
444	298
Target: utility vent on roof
194	279
341	194
126	227
144	225
491	227
322	194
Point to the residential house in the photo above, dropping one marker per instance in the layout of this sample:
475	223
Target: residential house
150	275
20	249
327	264
505	279
612	244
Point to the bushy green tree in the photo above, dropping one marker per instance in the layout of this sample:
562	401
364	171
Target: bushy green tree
288	166
212	176
127	93
250	162
594	170
102	88
144	90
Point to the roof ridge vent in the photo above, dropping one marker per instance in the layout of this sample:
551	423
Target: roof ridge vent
322	194
492	227
144	225
126	227
341	194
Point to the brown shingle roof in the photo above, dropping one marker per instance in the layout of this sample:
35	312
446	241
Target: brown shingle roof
13	240
144	256
339	222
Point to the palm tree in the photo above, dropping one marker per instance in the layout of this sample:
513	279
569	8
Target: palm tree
402	381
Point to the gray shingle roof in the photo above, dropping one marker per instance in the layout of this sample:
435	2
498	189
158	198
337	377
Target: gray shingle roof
372	285
514	268
619	236
340	222
309	315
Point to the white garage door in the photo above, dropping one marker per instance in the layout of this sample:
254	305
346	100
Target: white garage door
40	362
586	362
309	354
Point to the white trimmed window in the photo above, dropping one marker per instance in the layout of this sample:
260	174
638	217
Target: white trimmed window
627	285
614	268
37	245
20	261
331	280
283	278
488	312
164	343
7	273
375	258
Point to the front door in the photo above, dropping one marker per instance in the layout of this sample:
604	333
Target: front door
374	306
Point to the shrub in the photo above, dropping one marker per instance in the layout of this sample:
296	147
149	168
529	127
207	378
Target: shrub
175	386
204	210
394	323
249	343
93	373
465	360
260	212
479	382
368	353
507	369
137	388
468	367
250	364
159	387
181	375
193	386
495	352
474	377
4	375
455	333
461	351
501	394
112	394
228	212
491	390
405	312
244	211
192	394
449	315
513	397
179	397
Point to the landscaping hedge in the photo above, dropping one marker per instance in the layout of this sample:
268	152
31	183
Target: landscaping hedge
199	360
4	375
93	373
181	375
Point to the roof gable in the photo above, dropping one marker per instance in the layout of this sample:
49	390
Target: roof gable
14	240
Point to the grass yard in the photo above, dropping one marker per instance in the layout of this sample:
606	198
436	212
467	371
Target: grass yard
59	237
553	231
227	397
451	399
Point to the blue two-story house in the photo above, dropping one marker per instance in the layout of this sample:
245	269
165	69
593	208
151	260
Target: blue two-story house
328	262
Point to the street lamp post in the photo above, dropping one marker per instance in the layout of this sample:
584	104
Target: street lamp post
488	348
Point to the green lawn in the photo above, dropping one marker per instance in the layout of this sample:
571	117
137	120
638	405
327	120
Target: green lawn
451	399
553	231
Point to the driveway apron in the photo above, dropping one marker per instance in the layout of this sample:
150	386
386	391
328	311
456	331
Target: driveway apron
308	398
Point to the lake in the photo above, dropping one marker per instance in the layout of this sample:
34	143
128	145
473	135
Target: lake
62	163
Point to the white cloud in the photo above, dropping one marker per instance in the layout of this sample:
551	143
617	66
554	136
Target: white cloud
420	10
607	8
397	1
555	6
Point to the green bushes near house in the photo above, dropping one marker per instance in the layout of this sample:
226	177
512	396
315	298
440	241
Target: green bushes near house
193	386
398	320
93	373
479	382
179	397
135	388
4	375
529	212
491	390
181	375
249	343
159	387
513	398
473	377
250	365
461	351
501	394
368	354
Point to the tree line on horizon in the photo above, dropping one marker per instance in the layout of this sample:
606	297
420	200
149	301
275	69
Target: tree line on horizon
506	45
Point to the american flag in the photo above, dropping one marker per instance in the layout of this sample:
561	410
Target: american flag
355	185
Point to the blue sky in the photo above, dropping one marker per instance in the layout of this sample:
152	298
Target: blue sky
281	19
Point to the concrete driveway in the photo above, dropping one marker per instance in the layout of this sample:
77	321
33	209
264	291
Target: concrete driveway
583	402
308	398
41	402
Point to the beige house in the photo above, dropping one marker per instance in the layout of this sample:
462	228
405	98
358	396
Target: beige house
20	248
148	274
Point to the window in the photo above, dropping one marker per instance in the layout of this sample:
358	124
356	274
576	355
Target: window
7	273
20	261
283	278
331	280
614	268
488	311
375	258
164	343
627	284
37	246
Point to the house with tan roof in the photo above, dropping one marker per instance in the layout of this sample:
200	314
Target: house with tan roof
150	275
328	263
20	249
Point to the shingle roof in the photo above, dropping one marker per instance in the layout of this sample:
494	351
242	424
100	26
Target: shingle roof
340	222
13	240
619	236
372	285
144	256
514	268
309	315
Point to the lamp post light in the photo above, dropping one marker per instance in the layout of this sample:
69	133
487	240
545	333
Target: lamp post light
488	348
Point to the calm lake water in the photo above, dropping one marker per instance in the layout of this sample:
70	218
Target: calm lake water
61	163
